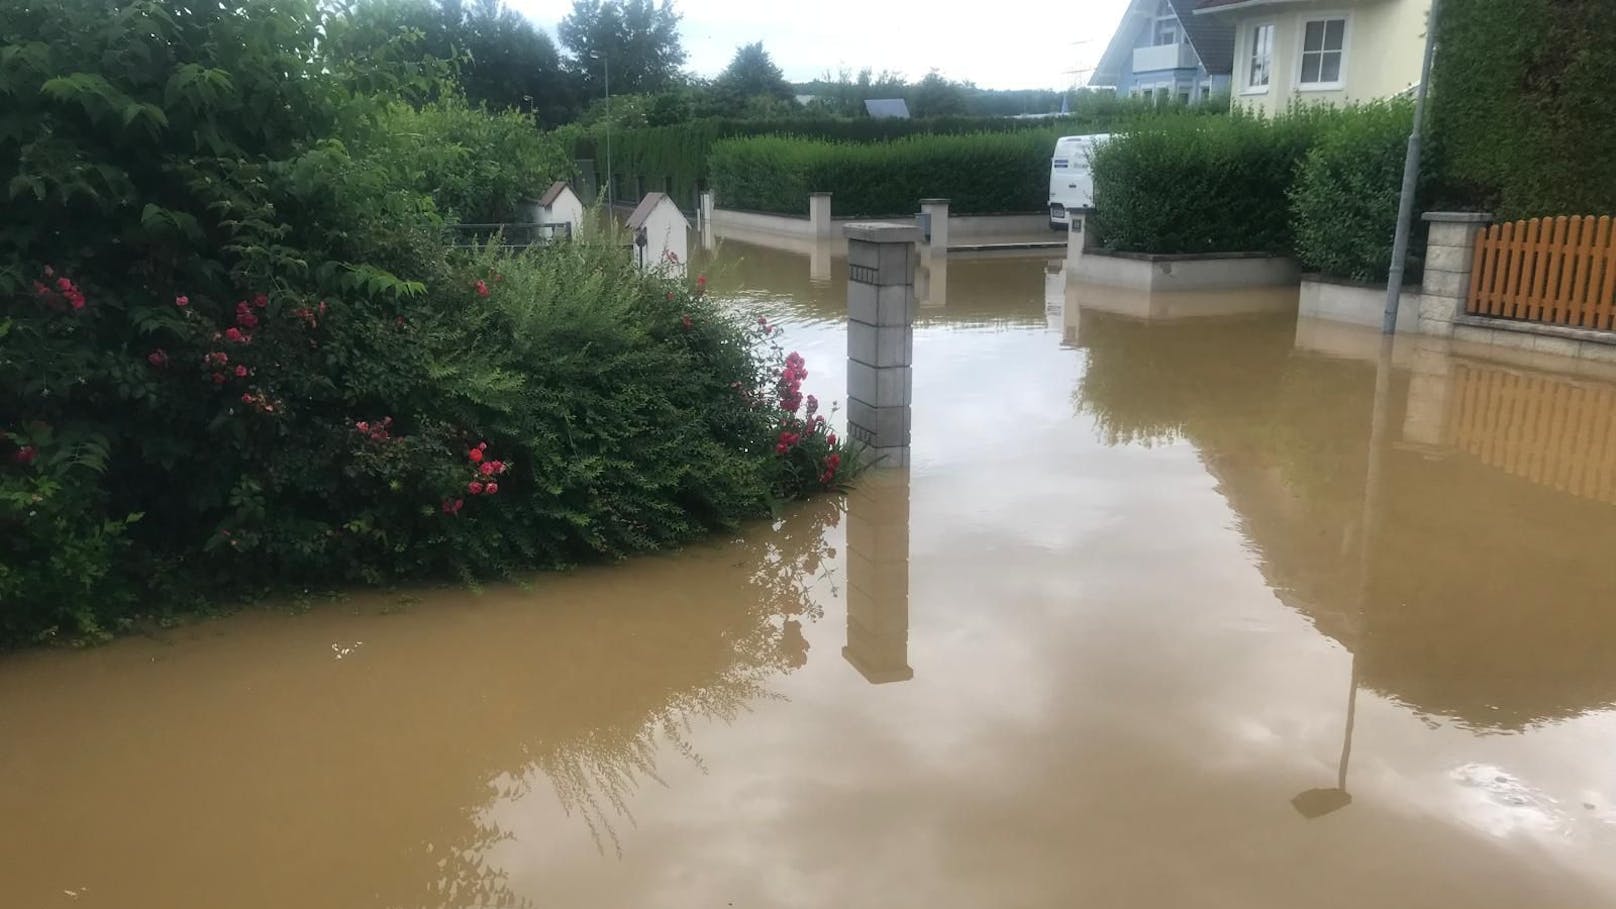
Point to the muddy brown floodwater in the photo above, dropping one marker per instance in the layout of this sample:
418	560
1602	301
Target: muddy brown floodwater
1136	629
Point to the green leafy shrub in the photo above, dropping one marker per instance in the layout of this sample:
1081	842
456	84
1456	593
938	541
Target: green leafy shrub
1520	119
1344	201
1180	185
476	165
978	173
237	356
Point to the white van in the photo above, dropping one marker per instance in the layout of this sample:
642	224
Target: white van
1071	178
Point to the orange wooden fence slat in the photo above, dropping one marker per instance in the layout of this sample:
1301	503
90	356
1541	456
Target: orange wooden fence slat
1549	255
1607	253
1541	228
1507	268
1579	271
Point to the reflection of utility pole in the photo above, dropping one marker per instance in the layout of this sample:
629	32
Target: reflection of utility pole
1318	802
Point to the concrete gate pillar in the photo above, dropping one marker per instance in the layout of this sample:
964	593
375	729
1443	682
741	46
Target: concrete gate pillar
819	215
936	211
880	337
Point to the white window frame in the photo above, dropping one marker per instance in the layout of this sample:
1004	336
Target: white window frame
1346	47
1249	42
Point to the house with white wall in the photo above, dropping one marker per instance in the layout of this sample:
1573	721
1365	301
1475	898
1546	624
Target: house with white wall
1162	52
1320	51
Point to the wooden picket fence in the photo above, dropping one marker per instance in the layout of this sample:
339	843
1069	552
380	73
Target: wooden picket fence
1549	430
1558	271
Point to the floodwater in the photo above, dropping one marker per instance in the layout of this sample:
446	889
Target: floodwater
1150	622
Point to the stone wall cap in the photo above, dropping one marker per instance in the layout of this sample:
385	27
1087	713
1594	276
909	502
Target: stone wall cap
817	195
1459	217
881	232
933	201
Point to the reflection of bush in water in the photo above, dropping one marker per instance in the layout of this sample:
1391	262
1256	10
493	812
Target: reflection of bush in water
1157	383
596	772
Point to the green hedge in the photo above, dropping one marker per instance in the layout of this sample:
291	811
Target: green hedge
674	159
979	173
1344	200
1179	185
1520	106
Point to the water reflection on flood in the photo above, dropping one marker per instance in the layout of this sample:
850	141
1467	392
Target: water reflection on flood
1156	623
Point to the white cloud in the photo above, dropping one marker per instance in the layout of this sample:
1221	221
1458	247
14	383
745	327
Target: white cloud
1009	44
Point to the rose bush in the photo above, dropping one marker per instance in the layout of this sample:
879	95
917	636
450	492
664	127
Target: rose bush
238	355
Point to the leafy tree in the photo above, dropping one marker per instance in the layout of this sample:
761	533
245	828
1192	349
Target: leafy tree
503	60
637	40
751	72
935	96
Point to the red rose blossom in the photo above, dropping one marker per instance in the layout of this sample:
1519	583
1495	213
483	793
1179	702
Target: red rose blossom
182	301
475	488
491	488
475	455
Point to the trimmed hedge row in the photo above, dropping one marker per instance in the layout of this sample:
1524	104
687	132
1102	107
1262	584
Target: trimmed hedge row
980	173
1520	114
1319	183
675	159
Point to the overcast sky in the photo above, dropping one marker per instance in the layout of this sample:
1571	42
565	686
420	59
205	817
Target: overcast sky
997	44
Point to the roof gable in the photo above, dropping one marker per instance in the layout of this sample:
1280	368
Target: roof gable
554	193
647	205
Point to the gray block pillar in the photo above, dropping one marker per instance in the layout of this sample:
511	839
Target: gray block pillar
704	219
1450	252
880	337
937	210
819	215
1078	240
878	577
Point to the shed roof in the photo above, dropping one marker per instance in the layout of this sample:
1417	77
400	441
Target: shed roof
554	192
887	108
648	205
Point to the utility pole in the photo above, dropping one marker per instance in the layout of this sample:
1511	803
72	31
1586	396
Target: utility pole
1411	175
606	65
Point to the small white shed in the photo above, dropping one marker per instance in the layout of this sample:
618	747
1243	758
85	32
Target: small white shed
560	205
661	235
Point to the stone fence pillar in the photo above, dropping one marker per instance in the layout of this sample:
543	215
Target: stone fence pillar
880	337
1078	240
819	215
937	210
1450	252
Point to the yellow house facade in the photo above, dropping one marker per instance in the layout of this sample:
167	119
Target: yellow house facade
1321	51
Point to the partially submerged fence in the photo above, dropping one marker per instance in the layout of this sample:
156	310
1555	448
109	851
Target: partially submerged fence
1556	271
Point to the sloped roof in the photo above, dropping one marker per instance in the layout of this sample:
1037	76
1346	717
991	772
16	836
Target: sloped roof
648	205
887	108
1213	39
1212	6
553	193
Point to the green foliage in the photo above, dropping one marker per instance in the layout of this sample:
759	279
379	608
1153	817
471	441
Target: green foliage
1201	185
935	96
502	60
751	72
1344	200
475	165
978	172
1520	119
237	355
675	158
635	41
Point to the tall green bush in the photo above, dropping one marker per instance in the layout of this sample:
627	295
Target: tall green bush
1520	106
1179	185
979	173
236	355
1344	201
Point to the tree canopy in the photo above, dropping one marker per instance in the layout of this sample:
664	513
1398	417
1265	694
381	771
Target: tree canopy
638	40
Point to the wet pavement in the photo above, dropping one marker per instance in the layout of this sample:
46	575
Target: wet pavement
1149	622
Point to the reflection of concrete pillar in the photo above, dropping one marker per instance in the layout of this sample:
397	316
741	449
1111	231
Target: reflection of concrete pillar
880	337
819	215
819	262
931	278
937	210
1429	389
1449	254
878	577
